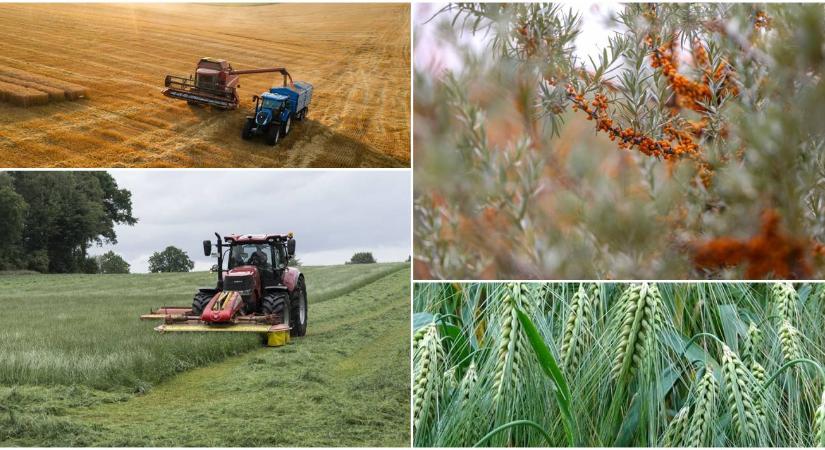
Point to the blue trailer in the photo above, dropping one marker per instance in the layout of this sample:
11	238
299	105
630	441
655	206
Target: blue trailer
275	111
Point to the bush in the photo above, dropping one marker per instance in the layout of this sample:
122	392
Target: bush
110	262
690	145
38	261
89	265
171	259
362	258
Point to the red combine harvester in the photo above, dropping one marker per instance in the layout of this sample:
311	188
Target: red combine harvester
258	293
215	83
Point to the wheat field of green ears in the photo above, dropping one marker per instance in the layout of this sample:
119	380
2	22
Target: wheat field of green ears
73	344
619	364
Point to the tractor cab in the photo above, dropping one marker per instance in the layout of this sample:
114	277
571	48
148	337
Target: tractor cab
211	74
268	107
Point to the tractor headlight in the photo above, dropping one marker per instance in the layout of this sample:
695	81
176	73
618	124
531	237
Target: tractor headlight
262	118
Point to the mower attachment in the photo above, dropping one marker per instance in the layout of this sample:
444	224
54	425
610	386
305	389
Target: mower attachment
179	319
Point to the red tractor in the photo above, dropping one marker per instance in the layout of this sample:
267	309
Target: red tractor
258	292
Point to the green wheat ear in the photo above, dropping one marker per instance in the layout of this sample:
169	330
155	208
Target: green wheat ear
751	344
738	396
641	309
789	341
428	359
699	433
579	319
512	347
785	299
677	429
819	423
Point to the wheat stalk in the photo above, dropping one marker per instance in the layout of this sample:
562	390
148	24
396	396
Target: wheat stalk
704	413
641	310
428	358
676	430
740	404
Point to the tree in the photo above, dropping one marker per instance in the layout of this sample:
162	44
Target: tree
110	262
67	212
362	258
171	259
12	222
294	262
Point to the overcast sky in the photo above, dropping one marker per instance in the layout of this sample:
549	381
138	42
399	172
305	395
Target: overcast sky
431	55
332	213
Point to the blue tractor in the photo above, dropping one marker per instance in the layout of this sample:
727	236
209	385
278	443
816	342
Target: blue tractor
276	110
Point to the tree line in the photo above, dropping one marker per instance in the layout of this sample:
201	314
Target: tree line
48	220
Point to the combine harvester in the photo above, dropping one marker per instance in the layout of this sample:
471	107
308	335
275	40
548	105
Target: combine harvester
215	83
258	293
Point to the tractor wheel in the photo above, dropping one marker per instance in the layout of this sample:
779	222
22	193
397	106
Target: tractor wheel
287	126
273	303
298	313
273	134
199	303
247	129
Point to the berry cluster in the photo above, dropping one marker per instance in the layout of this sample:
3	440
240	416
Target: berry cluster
677	144
771	252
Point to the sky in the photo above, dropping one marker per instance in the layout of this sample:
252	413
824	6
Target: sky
332	213
431	55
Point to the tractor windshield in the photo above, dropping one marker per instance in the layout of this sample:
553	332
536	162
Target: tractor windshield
253	255
206	81
271	103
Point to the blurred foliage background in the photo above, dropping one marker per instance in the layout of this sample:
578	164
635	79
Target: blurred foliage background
690	146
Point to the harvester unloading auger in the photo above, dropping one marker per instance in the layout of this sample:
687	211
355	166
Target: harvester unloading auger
215	83
258	293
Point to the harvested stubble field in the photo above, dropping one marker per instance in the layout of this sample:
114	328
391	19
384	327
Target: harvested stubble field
356	55
82	370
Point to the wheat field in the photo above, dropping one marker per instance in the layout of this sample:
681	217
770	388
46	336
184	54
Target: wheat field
624	365
356	55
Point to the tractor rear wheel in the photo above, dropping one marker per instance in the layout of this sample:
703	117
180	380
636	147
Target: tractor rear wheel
273	303
273	134
199	303
298	313
247	129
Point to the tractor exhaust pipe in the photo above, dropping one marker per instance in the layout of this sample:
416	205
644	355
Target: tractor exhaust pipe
220	261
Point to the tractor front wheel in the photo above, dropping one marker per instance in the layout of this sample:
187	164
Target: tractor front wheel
287	126
273	303
298	313
247	129
273	134
199	303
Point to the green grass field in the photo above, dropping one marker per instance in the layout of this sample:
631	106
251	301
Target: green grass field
79	369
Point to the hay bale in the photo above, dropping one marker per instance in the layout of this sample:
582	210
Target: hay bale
21	95
71	90
55	94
